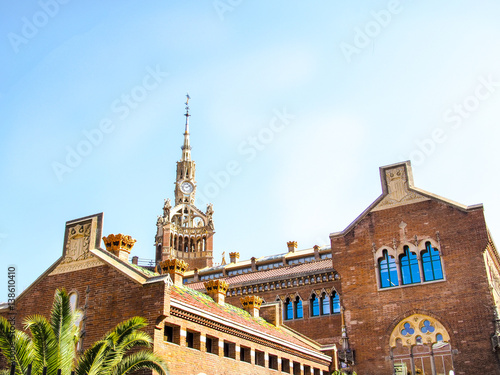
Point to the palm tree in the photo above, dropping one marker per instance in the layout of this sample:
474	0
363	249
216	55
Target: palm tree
108	356
53	345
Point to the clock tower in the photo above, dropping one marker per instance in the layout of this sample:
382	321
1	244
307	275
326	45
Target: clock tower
184	231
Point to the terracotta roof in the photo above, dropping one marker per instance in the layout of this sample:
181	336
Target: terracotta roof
234	314
301	269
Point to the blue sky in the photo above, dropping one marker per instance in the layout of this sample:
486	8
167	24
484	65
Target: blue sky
308	99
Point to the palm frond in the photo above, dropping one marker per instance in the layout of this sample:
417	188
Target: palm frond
16	346
94	360
43	339
117	334
142	359
62	321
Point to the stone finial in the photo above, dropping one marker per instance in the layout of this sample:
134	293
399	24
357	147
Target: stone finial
251	304
119	245
233	257
292	245
217	289
175	268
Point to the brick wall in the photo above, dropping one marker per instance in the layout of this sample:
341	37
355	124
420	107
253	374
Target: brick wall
323	329
113	297
192	361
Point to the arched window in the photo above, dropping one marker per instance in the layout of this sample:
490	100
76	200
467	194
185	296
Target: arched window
325	304
314	302
388	271
288	310
410	272
73	303
335	303
299	313
431	263
420	344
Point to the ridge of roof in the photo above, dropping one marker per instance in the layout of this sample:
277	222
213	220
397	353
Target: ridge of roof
272	274
264	258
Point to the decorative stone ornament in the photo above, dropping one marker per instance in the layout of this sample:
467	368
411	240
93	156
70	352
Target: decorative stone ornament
250	302
119	245
216	286
177	266
217	289
418	329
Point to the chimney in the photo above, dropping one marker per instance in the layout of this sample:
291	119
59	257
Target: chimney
175	268
135	260
233	257
316	252
254	266
292	245
217	289
271	312
251	304
119	245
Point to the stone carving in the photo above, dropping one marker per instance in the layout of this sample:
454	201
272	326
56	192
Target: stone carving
77	244
166	209
210	212
398	191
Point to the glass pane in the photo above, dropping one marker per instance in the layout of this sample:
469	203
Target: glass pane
393	272
326	305
288	310
315	306
336	303
299	312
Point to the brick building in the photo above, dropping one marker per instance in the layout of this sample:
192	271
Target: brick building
410	286
195	332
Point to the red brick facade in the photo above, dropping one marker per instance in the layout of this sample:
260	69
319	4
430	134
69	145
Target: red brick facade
461	301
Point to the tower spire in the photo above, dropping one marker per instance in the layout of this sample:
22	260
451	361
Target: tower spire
186	147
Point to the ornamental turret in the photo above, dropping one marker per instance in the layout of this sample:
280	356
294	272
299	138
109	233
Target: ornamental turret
184	231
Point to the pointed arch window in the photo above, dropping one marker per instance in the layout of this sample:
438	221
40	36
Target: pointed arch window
325	304
335	303
431	263
314	302
410	272
388	271
298	309
288	310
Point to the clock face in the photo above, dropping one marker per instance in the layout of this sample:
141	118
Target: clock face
186	187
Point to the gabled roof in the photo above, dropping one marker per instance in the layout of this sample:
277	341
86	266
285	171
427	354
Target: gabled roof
398	190
301	269
229	315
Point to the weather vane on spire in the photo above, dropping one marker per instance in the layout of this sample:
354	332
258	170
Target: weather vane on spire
187	105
